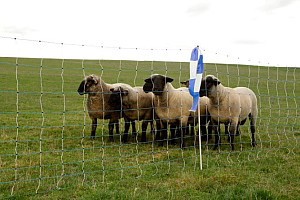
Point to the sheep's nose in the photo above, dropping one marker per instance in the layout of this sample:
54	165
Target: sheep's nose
80	92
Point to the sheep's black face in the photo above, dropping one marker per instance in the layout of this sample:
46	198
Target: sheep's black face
156	84
86	84
185	83
115	98
82	88
207	85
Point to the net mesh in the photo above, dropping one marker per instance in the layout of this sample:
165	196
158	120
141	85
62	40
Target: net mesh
45	129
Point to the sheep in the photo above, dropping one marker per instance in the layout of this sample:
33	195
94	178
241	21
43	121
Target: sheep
191	122
204	118
97	103
135	104
171	105
186	83
229	106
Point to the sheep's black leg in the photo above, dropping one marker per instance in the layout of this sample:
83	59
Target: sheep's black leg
133	128
110	130
209	130
117	127
144	129
173	129
164	132
127	126
177	132
182	142
158	130
232	130
252	127
227	132
192	129
216	127
94	127
152	127
238	130
204	135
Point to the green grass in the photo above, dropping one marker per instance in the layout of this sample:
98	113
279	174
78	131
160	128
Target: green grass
114	171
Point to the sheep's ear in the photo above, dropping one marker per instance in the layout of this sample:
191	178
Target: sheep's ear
216	81
148	80
186	83
169	80
124	91
93	79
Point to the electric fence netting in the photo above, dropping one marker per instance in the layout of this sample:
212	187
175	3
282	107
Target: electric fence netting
46	126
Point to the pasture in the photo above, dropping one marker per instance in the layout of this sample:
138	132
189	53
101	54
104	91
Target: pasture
45	147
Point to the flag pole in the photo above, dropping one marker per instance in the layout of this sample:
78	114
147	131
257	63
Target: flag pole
196	70
200	150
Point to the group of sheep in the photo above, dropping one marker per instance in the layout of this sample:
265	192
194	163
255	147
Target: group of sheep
158	102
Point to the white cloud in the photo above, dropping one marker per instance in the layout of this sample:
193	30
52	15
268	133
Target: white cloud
276	4
199	8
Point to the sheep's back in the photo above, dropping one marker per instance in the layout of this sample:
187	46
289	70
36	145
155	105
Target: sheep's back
247	101
177	109
140	104
98	106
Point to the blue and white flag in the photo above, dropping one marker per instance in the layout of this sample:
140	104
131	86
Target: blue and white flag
196	70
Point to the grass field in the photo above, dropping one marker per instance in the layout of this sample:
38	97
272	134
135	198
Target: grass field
54	156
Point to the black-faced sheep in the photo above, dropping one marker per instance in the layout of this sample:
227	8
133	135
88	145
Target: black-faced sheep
135	104
97	103
229	106
206	135
172	105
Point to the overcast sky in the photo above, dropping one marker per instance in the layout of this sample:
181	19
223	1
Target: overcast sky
257	30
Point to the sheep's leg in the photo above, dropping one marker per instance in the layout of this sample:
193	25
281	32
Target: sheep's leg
133	128
164	132
203	132
158	130
227	132
192	129
94	127
232	129
238	130
209	130
216	127
173	129
127	126
252	127
110	130
152	127
182	139
117	127
144	129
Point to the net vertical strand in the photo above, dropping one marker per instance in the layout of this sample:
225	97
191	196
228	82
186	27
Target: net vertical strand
17	129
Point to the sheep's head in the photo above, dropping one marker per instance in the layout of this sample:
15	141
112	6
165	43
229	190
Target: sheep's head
88	84
156	84
208	85
116	97
185	83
